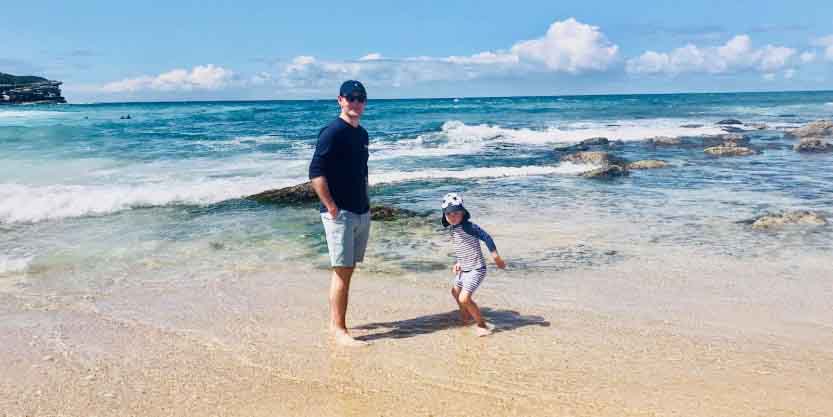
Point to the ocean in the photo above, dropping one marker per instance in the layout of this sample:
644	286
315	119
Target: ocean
89	199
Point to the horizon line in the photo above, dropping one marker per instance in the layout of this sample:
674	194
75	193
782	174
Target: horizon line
451	97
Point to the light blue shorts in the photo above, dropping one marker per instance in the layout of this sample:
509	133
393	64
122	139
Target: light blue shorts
347	236
470	280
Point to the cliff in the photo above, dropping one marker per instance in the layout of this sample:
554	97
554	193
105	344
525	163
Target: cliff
29	89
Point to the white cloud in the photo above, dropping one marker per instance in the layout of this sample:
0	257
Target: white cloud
788	74
569	46
371	57
773	58
734	56
769	76
201	77
808	57
826	43
483	58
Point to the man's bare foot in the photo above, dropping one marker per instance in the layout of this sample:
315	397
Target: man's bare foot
343	339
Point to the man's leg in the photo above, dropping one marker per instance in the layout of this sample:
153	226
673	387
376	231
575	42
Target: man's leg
339	294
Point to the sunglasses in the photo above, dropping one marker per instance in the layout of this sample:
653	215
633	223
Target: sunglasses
360	99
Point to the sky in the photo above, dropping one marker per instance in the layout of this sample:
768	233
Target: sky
107	51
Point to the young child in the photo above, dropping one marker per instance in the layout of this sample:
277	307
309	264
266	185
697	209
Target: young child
470	268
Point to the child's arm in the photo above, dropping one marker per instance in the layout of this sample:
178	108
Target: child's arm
498	260
490	243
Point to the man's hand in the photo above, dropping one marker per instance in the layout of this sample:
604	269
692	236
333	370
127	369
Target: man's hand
455	269
319	184
499	262
333	210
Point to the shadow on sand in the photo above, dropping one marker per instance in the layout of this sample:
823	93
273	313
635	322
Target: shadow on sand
504	320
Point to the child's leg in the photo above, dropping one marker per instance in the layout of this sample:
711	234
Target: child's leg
467	303
465	317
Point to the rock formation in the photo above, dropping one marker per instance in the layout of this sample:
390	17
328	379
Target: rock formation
29	90
800	217
304	194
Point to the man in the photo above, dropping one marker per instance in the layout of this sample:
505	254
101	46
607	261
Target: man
338	173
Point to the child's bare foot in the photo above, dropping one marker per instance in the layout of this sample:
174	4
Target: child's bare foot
484	330
343	339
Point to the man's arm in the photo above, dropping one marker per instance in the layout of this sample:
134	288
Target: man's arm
318	170
319	184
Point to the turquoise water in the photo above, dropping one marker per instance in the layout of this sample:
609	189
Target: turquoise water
88	198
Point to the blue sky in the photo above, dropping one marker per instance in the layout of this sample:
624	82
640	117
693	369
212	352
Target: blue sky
181	50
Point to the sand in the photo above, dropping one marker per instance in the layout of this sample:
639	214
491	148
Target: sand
253	343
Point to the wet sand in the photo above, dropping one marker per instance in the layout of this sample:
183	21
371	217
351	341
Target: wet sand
587	342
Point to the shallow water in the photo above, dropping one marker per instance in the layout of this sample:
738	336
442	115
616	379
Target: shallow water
88	199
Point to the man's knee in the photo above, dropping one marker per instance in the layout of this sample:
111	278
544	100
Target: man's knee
343	272
464	298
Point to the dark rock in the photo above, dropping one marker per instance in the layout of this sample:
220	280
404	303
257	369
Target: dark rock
799	217
572	148
611	166
599	141
387	213
691	126
296	194
729	122
734	138
29	90
648	164
813	145
597	158
606	172
731	129
729	150
665	141
729	139
304	194
757	126
817	129
584	145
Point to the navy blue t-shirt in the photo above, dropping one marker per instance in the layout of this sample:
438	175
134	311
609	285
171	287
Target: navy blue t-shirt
341	157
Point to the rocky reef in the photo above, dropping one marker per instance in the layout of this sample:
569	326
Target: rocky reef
29	90
304	194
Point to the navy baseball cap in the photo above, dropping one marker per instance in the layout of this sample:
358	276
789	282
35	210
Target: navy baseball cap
352	88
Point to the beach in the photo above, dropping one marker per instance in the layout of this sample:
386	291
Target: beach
137	280
240	345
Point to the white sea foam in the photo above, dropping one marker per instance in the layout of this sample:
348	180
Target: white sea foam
458	138
11	265
483	172
111	186
238	142
26	203
28	114
20	203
